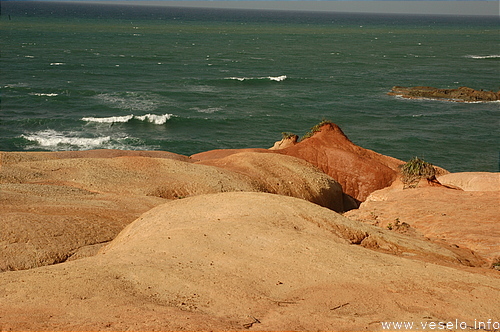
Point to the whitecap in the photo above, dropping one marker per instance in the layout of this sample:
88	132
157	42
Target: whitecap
57	63
238	78
153	118
55	140
277	78
481	101
16	85
272	78
111	119
483	56
44	94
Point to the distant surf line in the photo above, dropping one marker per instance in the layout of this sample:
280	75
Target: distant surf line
483	56
153	118
271	78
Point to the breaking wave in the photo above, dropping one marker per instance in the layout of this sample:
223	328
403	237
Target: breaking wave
111	119
55	140
483	56
152	118
271	78
44	94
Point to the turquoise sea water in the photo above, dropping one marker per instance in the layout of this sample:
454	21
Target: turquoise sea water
79	76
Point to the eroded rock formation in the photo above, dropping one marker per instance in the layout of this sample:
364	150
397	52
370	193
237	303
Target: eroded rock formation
462	94
360	171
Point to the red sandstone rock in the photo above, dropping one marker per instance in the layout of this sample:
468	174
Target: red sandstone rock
360	171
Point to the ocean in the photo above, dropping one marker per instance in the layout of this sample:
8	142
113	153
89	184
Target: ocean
78	76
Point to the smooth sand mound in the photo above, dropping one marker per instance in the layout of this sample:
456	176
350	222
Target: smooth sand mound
472	181
284	175
222	153
47	224
467	219
51	206
7	158
54	204
162	177
236	261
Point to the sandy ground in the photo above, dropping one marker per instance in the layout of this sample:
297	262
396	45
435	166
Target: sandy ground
246	239
236	261
463	218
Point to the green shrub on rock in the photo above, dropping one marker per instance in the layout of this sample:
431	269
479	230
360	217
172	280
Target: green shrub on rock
416	169
315	129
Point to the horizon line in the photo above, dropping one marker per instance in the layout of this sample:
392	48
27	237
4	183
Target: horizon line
416	7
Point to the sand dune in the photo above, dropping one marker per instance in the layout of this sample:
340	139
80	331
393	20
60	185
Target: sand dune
244	260
53	205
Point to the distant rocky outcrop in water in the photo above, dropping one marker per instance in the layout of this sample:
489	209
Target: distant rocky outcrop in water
462	94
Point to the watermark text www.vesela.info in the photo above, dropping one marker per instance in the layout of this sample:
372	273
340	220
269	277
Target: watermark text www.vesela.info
456	325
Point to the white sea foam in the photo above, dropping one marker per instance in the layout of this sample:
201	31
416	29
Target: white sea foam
272	78
483	102
277	78
238	78
55	140
44	94
483	56
16	85
133	101
57	63
153	118
111	119
446	100
207	110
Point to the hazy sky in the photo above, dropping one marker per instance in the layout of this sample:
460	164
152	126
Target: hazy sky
451	7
